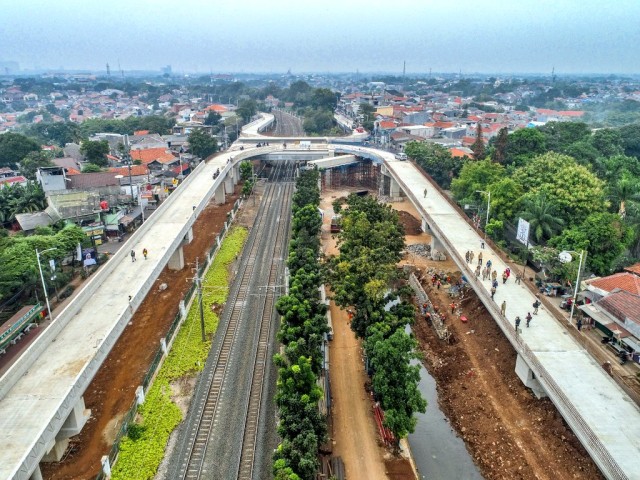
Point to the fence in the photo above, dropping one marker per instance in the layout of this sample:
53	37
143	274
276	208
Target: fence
160	355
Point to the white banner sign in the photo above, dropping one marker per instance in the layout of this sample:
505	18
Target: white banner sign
523	231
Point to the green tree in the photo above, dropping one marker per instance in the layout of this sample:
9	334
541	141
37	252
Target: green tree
30	164
394	379
213	118
476	176
91	168
506	198
559	135
14	147
95	152
604	235
246	170
625	190
630	135
58	133
435	160
247	109
202	144
572	189
523	145
542	217
499	152
324	99
608	142
478	146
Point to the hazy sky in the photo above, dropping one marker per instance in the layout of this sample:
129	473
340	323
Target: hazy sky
575	36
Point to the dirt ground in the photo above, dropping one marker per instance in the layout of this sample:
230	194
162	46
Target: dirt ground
354	436
509	433
112	391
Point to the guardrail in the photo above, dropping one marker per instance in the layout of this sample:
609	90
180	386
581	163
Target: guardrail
589	439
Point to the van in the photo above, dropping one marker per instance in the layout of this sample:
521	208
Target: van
401	156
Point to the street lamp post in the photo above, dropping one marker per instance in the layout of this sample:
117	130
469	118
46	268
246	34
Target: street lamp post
44	286
488	208
565	256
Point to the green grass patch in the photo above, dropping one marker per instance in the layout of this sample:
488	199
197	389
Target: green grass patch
143	449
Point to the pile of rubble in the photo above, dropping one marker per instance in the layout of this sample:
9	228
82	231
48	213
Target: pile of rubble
422	249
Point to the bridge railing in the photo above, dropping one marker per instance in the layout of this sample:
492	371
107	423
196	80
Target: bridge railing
589	439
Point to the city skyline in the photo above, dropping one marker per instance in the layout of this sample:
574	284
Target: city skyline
575	37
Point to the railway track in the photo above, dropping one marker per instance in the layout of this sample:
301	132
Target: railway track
233	355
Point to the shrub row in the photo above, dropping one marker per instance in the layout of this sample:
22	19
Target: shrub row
301	426
142	450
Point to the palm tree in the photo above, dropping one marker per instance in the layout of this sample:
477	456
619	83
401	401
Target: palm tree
542	217
622	192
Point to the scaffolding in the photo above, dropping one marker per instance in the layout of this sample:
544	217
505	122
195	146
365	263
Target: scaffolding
361	174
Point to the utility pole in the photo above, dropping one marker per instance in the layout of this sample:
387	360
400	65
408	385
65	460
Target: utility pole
199	288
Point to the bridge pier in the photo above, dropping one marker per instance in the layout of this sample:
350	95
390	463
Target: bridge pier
37	474
176	262
71	427
228	184
528	377
327	178
188	238
388	186
219	196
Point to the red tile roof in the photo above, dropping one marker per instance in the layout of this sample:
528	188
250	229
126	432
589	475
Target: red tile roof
385	124
571	113
622	305
624	281
135	170
12	180
635	268
456	152
141	132
148	155
216	108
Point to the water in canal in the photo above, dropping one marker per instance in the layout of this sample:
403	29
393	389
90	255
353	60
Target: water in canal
438	452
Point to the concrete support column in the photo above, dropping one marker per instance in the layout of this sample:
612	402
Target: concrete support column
425	226
75	421
436	244
140	395
106	466
228	184
36	475
188	238
183	308
529	379
219	196
163	345
176	262
394	188
327	178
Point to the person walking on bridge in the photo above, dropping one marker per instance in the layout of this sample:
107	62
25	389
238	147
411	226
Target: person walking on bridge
503	307
471	255
425	193
494	275
133	255
480	258
528	318
517	324
478	271
536	305
144	253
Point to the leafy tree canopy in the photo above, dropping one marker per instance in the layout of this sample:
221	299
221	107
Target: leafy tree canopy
603	235
476	176
32	161
14	147
202	144
574	191
435	160
95	152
